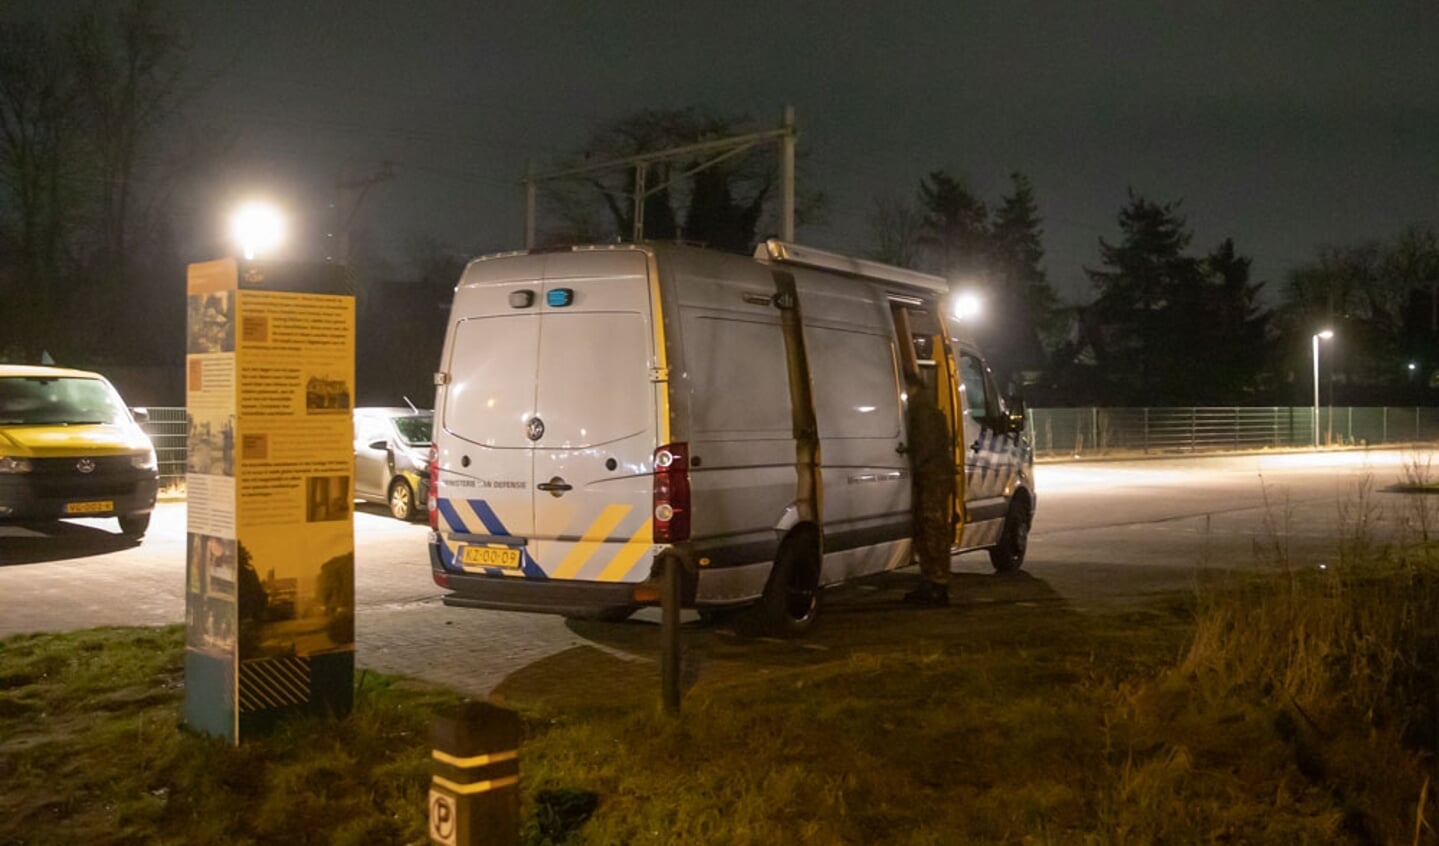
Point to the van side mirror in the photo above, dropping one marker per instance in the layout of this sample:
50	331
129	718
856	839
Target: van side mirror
380	444
1018	413
141	415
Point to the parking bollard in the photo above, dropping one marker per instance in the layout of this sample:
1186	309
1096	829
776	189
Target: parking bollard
474	792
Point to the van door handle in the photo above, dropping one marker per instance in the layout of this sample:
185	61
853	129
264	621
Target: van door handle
555	486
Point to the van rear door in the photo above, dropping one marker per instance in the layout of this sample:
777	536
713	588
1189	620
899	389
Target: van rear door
486	463
551	421
598	409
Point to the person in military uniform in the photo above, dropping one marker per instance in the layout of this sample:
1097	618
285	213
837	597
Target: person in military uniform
931	456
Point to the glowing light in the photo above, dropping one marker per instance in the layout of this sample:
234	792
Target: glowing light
258	228
966	306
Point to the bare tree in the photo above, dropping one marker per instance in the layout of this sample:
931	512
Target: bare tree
128	77
38	203
720	201
897	228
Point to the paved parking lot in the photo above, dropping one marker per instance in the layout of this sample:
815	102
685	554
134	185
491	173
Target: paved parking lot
1106	533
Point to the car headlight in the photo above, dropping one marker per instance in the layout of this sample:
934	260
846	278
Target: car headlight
11	464
145	461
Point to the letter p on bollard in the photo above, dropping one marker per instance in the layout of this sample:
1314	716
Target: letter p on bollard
474	792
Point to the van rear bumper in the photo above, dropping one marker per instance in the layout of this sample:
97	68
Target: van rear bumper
506	593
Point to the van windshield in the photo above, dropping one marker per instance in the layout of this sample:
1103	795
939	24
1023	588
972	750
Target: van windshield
58	401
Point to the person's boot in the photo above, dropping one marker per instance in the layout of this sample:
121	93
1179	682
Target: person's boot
929	594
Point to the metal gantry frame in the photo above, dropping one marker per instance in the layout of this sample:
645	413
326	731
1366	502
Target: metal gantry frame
719	150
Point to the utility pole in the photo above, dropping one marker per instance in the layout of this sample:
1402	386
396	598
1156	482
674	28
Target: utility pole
638	233
711	153
787	175
356	189
529	204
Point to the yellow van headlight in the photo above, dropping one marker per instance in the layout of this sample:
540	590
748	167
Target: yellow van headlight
144	461
11	464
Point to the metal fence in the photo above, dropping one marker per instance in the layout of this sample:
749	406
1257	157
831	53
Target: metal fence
1098	431
1092	431
168	432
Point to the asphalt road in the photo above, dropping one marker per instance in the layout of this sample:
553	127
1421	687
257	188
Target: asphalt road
1107	533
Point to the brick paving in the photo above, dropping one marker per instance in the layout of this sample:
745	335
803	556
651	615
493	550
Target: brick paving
1096	542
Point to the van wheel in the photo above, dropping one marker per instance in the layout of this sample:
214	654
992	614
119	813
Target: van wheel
402	500
1008	555
134	525
791	598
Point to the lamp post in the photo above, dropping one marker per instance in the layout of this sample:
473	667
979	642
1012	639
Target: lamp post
1326	334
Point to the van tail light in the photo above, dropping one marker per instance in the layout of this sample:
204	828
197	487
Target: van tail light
672	493
432	500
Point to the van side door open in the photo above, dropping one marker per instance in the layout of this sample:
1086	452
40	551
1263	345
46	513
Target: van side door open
854	375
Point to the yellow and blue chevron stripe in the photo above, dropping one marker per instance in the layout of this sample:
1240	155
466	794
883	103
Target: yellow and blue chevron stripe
615	546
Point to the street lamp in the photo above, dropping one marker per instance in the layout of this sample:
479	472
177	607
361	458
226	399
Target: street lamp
1326	334
966	306
257	228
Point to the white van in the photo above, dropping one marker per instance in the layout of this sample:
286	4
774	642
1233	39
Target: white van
598	408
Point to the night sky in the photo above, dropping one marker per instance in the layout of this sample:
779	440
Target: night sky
1284	125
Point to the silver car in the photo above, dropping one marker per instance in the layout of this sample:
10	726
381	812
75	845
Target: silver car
392	453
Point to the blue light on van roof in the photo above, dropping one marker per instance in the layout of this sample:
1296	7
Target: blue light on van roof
559	297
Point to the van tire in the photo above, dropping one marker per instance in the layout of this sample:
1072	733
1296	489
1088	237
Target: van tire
134	525
401	499
1008	555
791	597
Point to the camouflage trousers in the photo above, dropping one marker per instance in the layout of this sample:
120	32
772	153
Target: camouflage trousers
933	534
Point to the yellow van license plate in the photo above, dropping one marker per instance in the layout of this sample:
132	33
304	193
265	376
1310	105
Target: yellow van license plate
490	556
97	507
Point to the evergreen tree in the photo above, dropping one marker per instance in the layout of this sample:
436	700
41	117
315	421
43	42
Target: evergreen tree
1017	250
1168	328
955	235
1145	286
1237	344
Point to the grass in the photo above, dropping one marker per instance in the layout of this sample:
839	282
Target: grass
1293	707
91	752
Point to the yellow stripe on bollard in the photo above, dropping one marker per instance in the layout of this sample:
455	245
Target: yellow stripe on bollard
476	787
474	760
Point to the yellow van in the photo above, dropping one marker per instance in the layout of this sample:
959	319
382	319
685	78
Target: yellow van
70	448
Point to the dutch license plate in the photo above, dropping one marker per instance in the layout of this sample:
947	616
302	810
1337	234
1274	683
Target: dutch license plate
99	506
490	556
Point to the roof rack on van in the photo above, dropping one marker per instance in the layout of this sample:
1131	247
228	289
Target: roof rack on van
786	253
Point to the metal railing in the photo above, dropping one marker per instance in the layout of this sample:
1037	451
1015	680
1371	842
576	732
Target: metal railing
1100	431
1092	431
169	433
